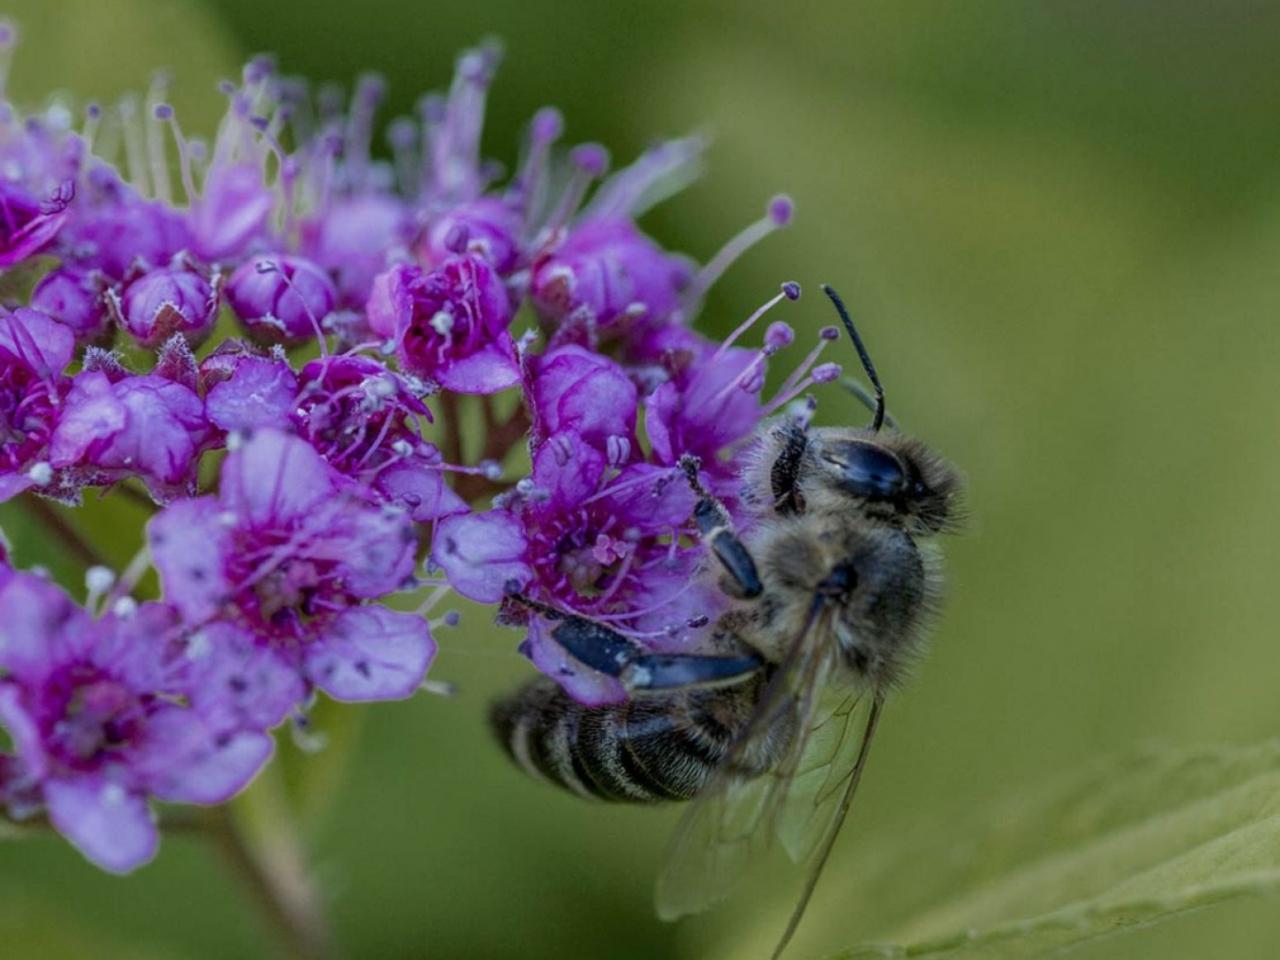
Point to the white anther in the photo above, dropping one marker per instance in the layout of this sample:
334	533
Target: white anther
380	386
98	580
113	795
198	646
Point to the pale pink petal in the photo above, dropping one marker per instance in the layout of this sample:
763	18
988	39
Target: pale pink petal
274	478
371	653
589	687
189	545
481	553
111	826
184	761
489	370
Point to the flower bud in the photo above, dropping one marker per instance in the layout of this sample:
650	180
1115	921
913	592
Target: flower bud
163	302
281	298
74	298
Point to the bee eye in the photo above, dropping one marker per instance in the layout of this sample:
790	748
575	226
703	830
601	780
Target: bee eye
870	472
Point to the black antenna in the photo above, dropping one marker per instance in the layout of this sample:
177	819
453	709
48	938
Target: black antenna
878	421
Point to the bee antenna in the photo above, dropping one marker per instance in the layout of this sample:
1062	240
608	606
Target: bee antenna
878	420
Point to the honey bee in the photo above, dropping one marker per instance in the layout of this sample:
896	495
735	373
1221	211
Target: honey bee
768	729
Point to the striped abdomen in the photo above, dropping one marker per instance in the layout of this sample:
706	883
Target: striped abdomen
648	749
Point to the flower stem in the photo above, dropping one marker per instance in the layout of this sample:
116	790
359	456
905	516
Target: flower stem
451	443
499	439
48	515
257	836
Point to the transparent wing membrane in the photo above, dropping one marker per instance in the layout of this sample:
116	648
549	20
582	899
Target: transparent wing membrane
791	774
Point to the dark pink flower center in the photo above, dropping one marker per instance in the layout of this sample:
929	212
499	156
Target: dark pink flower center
90	718
285	582
592	560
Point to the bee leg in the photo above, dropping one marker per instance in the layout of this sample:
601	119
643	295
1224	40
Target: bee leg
600	648
786	468
662	672
716	529
596	646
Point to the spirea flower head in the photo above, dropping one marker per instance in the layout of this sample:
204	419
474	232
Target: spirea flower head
441	381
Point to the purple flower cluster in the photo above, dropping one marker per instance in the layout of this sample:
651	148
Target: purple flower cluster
280	352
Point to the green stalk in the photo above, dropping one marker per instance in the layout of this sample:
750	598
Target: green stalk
258	837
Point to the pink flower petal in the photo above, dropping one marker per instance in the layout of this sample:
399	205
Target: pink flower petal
371	653
188	546
481	553
587	686
274	478
111	826
489	370
186	762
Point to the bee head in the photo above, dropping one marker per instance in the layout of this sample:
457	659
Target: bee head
895	478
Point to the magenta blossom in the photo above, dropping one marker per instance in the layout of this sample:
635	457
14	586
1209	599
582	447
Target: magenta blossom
144	426
586	539
489	228
709	402
102	718
613	272
34	350
362	418
449	325
366	422
288	552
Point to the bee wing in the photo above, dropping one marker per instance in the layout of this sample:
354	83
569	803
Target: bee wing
817	823
823	773
733	819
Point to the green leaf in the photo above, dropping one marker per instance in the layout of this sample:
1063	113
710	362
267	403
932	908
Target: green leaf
1131	842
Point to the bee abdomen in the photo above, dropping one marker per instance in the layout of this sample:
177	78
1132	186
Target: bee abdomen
646	750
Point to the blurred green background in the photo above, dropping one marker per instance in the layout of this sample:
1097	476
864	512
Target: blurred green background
1059	224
